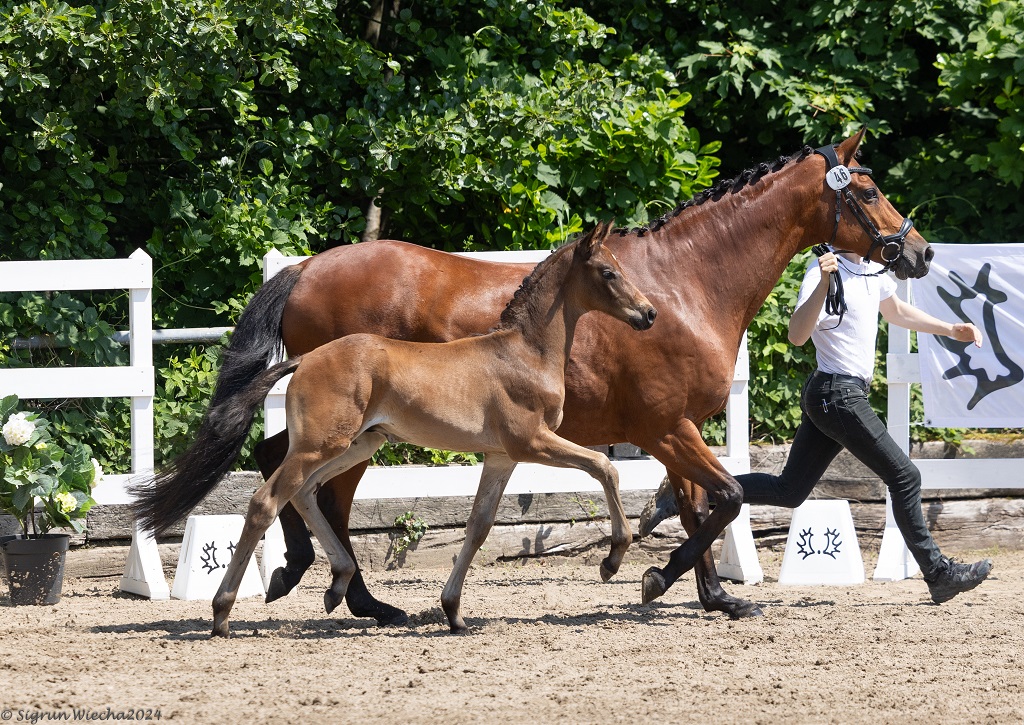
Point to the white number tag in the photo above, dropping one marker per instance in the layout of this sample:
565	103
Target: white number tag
838	177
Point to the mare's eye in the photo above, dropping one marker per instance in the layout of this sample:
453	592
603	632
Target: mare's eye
871	193
607	274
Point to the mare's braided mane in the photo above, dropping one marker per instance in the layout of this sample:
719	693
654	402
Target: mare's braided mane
716	192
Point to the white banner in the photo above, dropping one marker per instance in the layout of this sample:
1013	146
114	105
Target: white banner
965	386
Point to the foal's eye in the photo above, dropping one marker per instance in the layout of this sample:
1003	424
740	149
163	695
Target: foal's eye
607	274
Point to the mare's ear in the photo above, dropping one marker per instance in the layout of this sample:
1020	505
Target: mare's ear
848	148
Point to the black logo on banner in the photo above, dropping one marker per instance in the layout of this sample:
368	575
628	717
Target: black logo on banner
992	296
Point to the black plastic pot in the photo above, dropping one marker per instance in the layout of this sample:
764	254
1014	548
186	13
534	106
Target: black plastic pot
34	567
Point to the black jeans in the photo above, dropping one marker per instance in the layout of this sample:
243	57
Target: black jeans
837	415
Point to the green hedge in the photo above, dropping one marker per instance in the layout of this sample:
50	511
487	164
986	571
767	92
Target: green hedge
208	132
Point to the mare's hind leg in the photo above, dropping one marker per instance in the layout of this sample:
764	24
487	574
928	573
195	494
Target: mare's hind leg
498	469
552	450
693	511
343	566
685	454
263	508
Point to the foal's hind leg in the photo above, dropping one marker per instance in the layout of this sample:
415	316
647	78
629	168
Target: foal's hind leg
343	566
550	449
335	500
263	508
298	554
498	469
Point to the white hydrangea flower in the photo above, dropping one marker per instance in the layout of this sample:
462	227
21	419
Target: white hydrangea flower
17	430
226	161
66	502
97	473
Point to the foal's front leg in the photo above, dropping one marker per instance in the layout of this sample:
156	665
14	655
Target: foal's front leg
497	470
553	450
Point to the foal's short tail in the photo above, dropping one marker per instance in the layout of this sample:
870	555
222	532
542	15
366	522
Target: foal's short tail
166	498
242	384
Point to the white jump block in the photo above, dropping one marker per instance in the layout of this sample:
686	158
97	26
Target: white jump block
206	550
822	546
738	561
143	571
895	561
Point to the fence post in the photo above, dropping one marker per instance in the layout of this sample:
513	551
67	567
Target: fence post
894	559
143	571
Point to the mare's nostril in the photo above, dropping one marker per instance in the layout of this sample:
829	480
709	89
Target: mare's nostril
929	253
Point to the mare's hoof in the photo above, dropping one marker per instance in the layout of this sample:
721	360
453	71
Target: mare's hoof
745	610
607	572
332	600
279	585
653	586
458	628
220	630
390	616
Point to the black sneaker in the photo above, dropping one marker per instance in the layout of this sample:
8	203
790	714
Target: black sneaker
953	578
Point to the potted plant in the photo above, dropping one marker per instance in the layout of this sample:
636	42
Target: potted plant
44	486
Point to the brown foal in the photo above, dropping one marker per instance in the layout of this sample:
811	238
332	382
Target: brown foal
349	396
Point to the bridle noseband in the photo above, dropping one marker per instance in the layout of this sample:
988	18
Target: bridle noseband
838	178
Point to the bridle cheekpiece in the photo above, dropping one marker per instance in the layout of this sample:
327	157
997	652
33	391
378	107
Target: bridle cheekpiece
838	178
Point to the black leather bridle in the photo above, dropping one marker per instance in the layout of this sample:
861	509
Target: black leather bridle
838	178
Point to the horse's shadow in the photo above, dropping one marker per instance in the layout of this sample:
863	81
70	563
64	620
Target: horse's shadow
655	614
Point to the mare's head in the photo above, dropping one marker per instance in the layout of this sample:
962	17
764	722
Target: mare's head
599	283
869	225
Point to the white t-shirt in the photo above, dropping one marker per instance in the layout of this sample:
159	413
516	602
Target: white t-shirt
849	349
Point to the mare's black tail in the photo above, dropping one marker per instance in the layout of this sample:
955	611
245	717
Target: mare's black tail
242	384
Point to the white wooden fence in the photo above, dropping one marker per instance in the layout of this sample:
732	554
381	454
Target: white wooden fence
143	574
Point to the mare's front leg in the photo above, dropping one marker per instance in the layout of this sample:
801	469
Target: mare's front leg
685	454
497	470
552	450
693	511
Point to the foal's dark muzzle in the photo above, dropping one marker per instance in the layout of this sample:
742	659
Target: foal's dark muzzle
644	320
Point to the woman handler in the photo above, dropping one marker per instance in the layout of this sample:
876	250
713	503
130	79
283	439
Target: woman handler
837	415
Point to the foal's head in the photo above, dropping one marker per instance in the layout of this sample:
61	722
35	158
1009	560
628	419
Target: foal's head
600	284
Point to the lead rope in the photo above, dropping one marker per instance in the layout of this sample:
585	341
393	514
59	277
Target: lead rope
835	300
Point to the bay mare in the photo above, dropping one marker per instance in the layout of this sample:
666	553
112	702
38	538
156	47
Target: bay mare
707	267
500	394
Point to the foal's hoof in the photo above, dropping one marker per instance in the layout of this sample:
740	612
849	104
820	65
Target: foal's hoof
653	586
332	600
607	571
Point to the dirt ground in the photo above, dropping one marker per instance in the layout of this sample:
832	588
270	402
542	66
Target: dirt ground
548	641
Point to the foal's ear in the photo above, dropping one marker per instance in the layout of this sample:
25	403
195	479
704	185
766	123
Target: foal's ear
594	239
848	148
